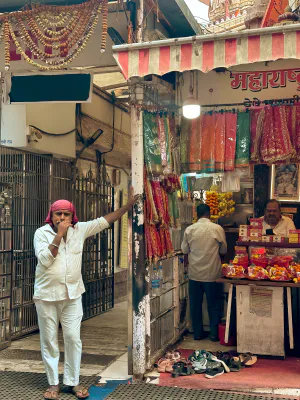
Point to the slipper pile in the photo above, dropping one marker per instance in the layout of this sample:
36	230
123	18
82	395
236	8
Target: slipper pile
204	362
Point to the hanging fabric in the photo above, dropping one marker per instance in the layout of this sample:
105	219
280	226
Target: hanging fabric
168	167
220	142
276	144
150	209
195	146
207	135
295	131
151	144
162	140
185	133
242	140
254	140
230	140
153	243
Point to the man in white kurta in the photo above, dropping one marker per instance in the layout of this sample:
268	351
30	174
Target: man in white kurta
59	286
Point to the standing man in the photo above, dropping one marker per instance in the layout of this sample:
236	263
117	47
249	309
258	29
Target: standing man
204	241
274	221
58	288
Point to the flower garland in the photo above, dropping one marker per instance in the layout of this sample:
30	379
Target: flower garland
65	29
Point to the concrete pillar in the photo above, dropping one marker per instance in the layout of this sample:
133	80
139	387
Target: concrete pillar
140	278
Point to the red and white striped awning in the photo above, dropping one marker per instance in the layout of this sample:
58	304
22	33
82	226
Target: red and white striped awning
207	52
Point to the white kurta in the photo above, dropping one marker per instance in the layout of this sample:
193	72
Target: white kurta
60	278
57	295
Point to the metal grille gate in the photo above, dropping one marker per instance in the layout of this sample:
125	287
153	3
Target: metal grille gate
35	182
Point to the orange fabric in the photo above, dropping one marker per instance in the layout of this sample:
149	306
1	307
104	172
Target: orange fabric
230	140
195	146
220	142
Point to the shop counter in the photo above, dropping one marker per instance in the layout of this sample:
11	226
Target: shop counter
260	315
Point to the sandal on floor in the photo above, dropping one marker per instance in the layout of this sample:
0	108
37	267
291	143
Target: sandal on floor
182	369
248	359
52	393
235	364
80	392
174	355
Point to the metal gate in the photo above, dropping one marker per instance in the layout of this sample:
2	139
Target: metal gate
35	182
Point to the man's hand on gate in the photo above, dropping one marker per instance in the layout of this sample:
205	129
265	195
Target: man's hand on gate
132	198
63	228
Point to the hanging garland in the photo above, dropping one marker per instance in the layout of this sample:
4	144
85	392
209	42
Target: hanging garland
55	35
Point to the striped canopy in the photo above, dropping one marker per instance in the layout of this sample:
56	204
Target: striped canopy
207	52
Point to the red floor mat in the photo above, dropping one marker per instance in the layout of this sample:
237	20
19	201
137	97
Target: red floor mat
265	373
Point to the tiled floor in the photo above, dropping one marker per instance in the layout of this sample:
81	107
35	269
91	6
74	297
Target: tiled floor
189	343
104	339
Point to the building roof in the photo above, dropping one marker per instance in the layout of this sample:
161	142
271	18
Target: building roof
208	52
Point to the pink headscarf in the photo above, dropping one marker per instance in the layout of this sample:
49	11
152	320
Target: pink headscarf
62	205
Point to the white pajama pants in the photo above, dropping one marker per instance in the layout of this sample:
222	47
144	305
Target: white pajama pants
69	314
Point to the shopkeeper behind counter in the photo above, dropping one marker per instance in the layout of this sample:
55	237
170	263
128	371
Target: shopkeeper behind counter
274	222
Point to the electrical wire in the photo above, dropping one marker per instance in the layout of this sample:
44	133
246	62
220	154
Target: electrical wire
53	134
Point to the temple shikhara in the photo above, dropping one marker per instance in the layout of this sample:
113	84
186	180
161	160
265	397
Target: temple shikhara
228	15
237	15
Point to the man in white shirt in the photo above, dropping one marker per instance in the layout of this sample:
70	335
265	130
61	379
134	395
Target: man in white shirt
204	241
273	220
59	287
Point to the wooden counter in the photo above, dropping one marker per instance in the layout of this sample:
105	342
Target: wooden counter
258	283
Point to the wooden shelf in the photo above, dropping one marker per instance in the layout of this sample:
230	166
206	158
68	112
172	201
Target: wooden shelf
258	283
270	244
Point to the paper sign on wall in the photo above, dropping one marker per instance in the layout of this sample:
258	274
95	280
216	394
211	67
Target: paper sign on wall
124	235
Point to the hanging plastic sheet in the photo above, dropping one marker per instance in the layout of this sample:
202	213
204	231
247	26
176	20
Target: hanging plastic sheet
220	142
230	140
151	144
184	143
242	156
276	144
231	181
203	184
207	142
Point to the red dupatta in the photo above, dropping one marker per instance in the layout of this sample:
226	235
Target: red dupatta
276	144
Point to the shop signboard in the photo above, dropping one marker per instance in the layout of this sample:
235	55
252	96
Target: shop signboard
256	81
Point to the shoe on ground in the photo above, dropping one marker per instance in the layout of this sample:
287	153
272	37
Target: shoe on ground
214	373
214	338
204	335
199	366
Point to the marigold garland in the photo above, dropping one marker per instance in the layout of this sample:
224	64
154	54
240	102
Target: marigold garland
66	29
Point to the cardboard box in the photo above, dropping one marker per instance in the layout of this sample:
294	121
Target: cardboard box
294	240
244	238
256	239
278	239
256	222
267	239
255	232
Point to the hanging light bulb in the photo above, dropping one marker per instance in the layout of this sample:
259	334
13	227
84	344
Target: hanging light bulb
191	107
